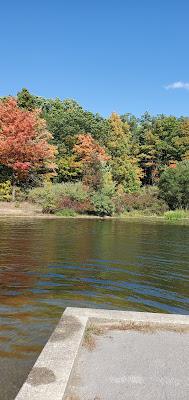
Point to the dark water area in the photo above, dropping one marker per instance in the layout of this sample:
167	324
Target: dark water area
47	265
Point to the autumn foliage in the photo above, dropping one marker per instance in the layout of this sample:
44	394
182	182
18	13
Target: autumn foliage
113	158
92	156
24	140
88	149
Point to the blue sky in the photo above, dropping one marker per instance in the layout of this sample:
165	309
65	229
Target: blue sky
108	55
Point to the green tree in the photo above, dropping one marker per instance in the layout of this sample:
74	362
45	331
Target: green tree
159	143
182	140
69	168
102	199
174	185
66	119
123	161
25	100
147	145
166	130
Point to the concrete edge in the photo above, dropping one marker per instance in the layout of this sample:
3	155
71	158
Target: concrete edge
143	317
50	374
49	377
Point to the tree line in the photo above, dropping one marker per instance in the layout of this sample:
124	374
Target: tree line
53	140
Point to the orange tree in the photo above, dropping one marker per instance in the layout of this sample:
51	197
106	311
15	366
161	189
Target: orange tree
92	156
24	141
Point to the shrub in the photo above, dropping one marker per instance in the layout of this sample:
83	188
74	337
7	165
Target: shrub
80	207
67	212
5	191
45	196
146	200
174	186
103	204
75	191
58	196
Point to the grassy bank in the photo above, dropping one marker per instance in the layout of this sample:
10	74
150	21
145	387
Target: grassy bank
168	216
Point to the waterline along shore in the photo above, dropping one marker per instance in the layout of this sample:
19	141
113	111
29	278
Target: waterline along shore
26	209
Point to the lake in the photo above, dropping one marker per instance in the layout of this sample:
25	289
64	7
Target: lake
49	264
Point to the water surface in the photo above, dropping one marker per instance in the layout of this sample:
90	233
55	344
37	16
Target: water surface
46	265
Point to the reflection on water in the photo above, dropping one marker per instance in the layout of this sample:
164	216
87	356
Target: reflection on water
46	265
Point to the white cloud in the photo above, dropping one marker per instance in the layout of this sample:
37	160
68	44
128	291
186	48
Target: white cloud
178	85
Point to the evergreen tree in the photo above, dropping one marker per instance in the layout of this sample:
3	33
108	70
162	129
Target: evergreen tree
25	100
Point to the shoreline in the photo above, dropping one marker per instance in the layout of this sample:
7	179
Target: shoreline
31	211
139	218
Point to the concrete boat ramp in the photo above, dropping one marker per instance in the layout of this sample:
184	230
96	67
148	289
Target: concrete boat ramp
112	355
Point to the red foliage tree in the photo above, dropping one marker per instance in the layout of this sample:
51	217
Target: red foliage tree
24	140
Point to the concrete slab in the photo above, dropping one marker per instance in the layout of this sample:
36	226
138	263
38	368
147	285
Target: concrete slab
128	356
132	365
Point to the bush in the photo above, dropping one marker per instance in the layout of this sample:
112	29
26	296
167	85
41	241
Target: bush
80	207
75	191
59	196
103	204
5	191
45	197
67	212
146	200
174	186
